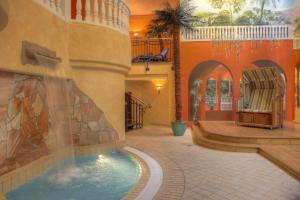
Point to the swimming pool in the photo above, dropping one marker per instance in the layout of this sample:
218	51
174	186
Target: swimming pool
108	176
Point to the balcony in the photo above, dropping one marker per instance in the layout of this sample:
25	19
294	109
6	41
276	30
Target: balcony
229	33
109	13
151	50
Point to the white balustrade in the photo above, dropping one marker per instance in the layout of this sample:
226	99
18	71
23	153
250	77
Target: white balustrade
78	10
111	13
88	14
103	11
96	16
211	33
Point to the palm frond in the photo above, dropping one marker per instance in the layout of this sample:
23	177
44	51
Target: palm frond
168	18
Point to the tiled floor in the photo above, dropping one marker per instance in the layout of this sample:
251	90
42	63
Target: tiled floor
193	172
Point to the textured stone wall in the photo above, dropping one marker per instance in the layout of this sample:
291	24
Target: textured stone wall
39	115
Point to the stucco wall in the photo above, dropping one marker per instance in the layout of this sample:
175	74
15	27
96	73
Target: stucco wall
281	53
29	21
143	85
297	109
95	57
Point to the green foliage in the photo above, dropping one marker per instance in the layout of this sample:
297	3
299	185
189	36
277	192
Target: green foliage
262	4
206	18
232	6
247	18
223	18
169	18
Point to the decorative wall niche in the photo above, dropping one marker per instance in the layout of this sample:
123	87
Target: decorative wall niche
37	55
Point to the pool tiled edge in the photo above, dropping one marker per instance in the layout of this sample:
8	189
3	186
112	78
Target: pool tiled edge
2	197
155	176
135	191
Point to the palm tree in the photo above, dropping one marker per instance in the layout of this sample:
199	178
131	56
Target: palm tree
155	29
262	4
171	20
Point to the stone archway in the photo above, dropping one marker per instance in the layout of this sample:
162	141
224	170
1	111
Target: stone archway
213	109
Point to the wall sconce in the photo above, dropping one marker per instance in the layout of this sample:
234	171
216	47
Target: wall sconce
158	88
135	35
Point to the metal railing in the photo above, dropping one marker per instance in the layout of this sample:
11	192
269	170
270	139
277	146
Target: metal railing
134	112
151	48
211	33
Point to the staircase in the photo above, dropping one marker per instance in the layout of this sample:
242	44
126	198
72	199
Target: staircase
134	112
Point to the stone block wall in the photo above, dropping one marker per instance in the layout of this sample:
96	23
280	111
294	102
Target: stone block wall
39	115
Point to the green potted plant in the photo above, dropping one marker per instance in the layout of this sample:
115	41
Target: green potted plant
170	20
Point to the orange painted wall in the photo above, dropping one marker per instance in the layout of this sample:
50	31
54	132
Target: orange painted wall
139	23
194	53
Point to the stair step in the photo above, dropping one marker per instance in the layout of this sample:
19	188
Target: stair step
223	146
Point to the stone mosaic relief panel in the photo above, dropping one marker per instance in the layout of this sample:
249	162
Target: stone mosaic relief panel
39	115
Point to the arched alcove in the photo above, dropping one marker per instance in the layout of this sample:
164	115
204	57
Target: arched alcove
211	92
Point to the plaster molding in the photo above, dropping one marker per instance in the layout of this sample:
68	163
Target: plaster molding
146	77
100	65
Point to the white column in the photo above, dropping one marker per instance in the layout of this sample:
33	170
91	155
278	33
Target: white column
96	12
109	12
47	2
68	9
52	4
58	6
103	12
121	15
116	8
78	10
88	11
127	15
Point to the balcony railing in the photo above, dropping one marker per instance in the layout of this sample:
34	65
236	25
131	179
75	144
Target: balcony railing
110	13
211	33
297	43
149	50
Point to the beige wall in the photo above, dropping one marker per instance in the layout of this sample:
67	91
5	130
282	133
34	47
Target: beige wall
143	85
96	57
29	21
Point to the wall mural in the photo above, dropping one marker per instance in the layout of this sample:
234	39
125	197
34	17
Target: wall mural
38	115
247	12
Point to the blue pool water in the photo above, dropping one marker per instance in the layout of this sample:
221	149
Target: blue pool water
108	176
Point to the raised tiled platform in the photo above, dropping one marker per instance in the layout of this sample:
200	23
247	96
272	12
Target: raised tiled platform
230	132
285	156
281	146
